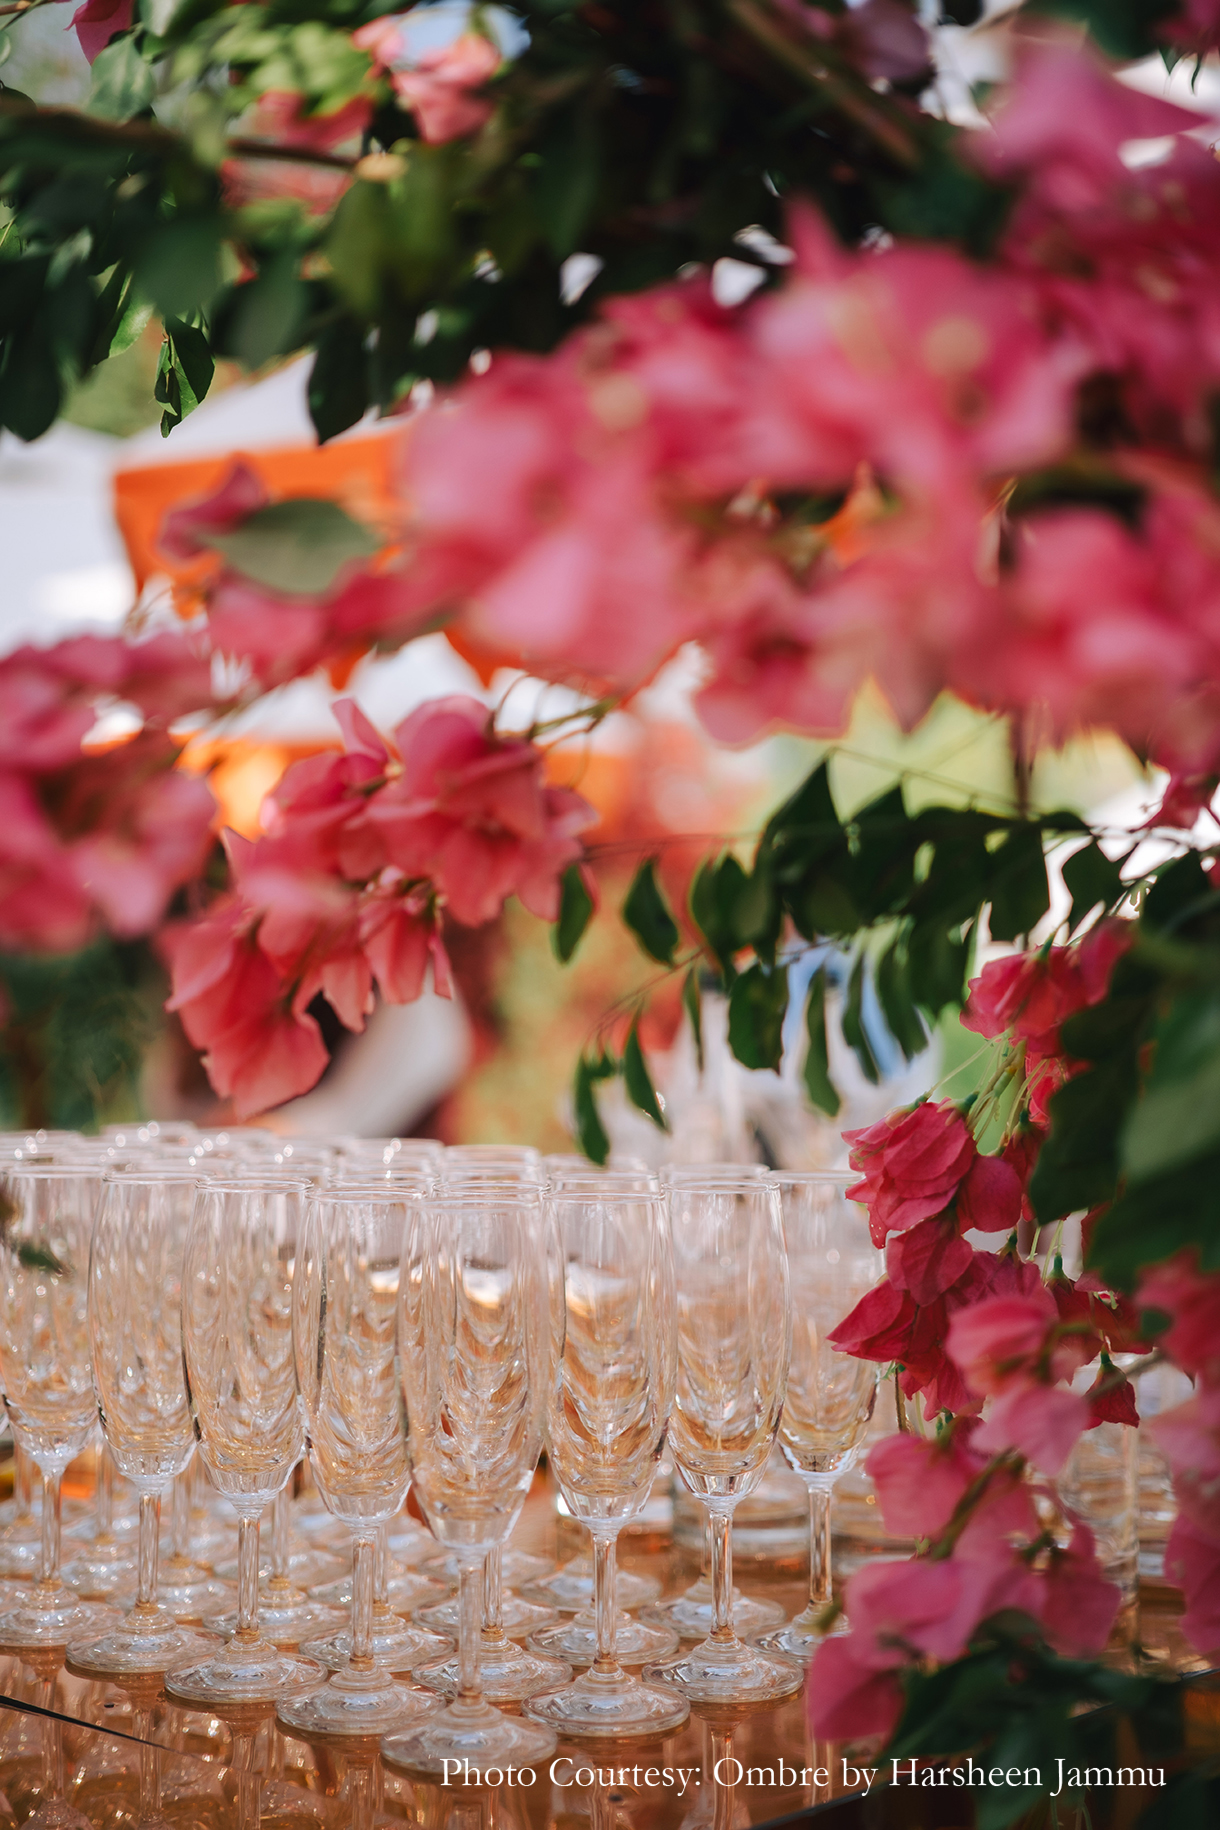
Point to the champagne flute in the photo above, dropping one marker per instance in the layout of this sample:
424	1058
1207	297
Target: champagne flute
832	1263
608	1403
734	1343
46	1223
344	1321
135	1330
249	1421
472	1322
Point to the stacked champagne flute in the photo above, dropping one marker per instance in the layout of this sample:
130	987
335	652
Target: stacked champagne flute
412	1316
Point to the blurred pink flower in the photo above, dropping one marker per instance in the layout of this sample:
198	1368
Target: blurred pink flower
848	1698
439	91
97	22
1042	1422
919	1483
1000	1341
927	1258
1079	1605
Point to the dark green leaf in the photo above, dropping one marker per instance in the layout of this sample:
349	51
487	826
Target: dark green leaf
1091	878
818	1084
1125	29
565	186
184	373
638	1081
713	903
178	264
575	911
298	547
590	1132
338	381
897	1000
122	83
268	311
30	391
853	1023
646	913
938	960
1152	1220
758	1003
1018	888
694	1011
40	1258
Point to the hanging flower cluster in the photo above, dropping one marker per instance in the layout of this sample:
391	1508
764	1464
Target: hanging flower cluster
100	838
993	1342
899	464
360	855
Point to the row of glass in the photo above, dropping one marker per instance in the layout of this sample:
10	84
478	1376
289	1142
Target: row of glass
416	1318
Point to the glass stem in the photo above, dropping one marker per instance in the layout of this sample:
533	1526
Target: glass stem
605	1546
493	1593
150	1768
470	1620
150	1535
180	1520
362	1797
247	1578
279	1537
363	1557
103	1496
819	1547
51	1504
381	1567
23	1481
722	1576
724	1771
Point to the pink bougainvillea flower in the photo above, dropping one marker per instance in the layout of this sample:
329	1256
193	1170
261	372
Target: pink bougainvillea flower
1192	1560
233	501
401	937
471	811
1080	1605
1032	994
281	116
1191	1300
143	829
918	1483
1042	1422
913	1163
233	1006
441	90
850	1699
999	1341
97	22
927	1259
989	1199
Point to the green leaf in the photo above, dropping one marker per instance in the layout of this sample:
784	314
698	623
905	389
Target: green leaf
184	373
1177	1117
714	892
646	913
178	264
938	960
694	1010
575	912
758	1004
638	1081
297	547
338	381
136	313
818	1084
853	1023
267	311
565	187
30	389
590	1132
1020	895
1152	1220
1091	878
40	1258
123	83
897	1000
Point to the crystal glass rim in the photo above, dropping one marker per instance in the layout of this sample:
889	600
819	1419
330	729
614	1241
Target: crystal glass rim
385	1192
54	1172
472	1200
588	1197
155	1178
813	1178
257	1181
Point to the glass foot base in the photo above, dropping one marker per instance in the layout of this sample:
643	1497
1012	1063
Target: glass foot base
570	1589
56	1815
576	1641
189	1591
101	1575
506	1673
518	1618
53	1617
129	1650
610	1706
21	1557
403	1593
354	1703
251	1673
396	1646
692	1617
283	1622
799	1639
473	1732
729	1672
